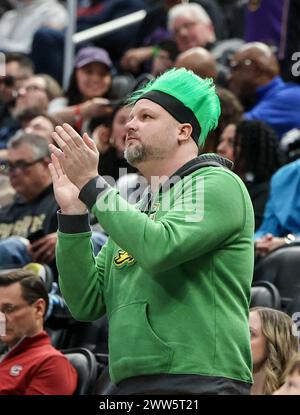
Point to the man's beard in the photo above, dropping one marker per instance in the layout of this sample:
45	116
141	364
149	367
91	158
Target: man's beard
140	152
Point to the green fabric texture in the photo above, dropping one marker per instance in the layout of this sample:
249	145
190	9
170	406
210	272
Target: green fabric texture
194	92
175	283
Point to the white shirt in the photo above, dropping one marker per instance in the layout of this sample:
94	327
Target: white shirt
18	26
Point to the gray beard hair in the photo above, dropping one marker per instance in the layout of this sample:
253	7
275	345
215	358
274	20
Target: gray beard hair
135	155
142	152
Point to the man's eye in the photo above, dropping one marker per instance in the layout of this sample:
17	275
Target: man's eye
146	116
8	309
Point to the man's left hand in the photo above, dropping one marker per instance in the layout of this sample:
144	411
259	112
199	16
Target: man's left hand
78	156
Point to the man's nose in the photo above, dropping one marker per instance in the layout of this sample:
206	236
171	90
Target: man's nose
181	31
21	92
130	125
221	149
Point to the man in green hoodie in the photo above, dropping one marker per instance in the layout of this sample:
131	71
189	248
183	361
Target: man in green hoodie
174	277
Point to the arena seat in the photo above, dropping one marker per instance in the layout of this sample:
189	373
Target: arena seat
103	384
265	294
282	268
87	369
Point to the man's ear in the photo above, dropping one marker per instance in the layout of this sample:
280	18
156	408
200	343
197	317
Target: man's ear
40	307
185	132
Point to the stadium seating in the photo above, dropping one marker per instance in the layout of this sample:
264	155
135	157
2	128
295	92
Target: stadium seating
265	294
87	368
282	268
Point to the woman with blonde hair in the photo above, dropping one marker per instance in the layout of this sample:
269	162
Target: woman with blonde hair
273	343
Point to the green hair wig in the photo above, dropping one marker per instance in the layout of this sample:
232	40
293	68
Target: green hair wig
187	97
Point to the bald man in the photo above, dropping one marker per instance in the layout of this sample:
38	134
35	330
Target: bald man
255	77
199	60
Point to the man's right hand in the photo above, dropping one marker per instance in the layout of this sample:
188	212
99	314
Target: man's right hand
78	156
66	193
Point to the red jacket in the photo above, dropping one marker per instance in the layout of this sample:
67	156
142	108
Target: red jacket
35	367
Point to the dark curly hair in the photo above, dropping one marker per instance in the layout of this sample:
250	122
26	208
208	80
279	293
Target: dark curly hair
256	150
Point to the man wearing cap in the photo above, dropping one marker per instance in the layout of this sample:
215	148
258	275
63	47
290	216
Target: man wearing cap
174	277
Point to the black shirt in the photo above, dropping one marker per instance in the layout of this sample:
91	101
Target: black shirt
32	219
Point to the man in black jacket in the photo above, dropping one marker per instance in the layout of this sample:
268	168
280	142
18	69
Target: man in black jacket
28	225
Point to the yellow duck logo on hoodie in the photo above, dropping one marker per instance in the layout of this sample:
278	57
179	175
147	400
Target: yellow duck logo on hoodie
123	257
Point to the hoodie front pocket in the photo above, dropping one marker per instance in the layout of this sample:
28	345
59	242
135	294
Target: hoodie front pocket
134	348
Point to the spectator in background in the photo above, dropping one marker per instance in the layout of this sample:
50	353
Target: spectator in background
18	26
31	366
191	26
281	222
291	384
198	60
255	80
28	225
273	343
27	115
163	57
204	64
254	149
42	125
39	91
154	28
89	87
18	68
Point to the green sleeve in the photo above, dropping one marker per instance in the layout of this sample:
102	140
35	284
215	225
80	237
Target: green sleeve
174	239
81	275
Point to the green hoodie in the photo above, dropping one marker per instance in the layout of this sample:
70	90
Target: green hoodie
175	283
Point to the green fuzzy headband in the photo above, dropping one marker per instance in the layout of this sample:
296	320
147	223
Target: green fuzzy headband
187	97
